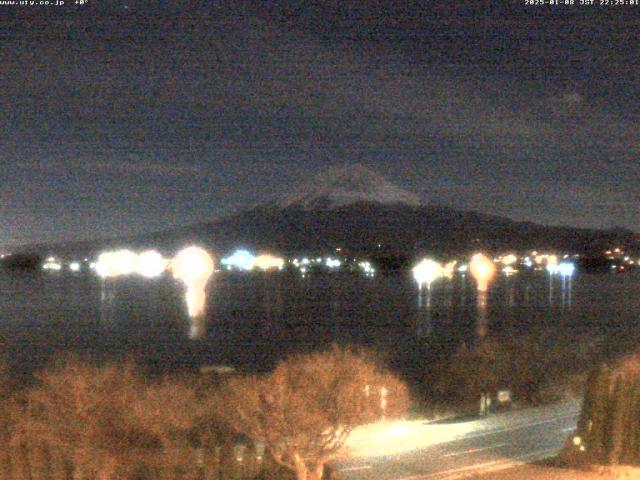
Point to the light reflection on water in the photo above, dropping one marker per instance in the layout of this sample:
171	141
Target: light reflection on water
253	320
482	319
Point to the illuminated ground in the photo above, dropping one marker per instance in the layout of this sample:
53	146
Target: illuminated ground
419	450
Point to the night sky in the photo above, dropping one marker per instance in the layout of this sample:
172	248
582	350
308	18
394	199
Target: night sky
119	118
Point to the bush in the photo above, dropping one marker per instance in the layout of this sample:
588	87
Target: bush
537	368
109	423
609	425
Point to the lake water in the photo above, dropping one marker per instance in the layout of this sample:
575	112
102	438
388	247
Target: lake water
255	319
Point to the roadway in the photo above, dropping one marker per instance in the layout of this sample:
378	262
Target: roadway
455	449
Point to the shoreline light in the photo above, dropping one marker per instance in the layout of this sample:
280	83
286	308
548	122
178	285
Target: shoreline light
426	272
483	270
367	268
240	259
193	266
151	264
449	269
116	263
566	269
509	259
509	270
553	269
332	262
269	262
52	265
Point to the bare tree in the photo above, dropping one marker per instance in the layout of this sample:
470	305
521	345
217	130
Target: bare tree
305	409
108	421
169	411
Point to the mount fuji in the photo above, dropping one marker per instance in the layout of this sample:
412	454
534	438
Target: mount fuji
339	186
363	213
360	211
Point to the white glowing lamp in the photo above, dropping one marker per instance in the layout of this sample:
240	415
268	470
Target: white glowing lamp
483	270
333	262
509	259
116	263
509	270
449	268
193	266
240	259
269	262
104	266
553	268
151	264
566	269
426	272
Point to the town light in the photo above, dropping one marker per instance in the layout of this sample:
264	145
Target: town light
116	263
240	259
483	270
509	259
332	262
566	269
151	264
426	272
193	266
448	269
268	262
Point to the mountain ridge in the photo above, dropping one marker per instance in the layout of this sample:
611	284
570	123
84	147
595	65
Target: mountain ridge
362	212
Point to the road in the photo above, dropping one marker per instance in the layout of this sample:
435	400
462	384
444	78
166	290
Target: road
418	450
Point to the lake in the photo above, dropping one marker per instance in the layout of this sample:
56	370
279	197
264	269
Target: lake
254	319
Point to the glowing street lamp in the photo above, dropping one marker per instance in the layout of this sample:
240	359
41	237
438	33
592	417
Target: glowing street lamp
483	270
509	270
553	268
116	263
240	259
426	272
268	262
566	269
193	266
448	269
151	264
52	264
332	262
509	260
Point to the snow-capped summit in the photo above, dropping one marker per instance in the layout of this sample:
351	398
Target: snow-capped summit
337	186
